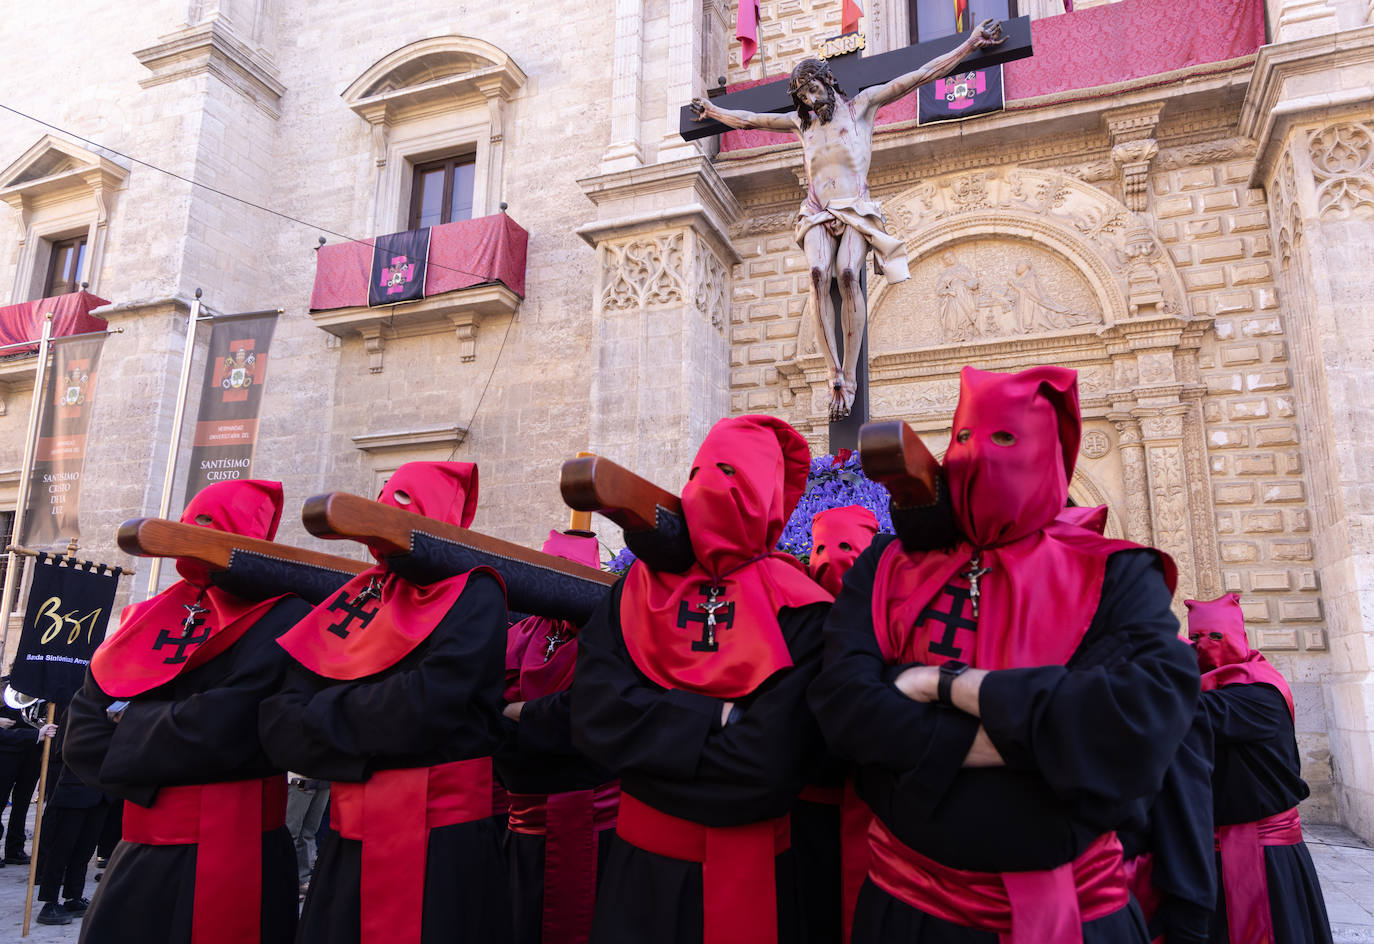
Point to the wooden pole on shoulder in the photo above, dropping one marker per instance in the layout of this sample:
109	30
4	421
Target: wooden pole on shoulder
580	520
38	820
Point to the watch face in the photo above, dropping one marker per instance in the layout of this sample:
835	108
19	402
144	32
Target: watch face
953	667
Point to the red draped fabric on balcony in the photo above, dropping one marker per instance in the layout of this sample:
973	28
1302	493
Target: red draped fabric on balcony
71	315
461	255
1089	49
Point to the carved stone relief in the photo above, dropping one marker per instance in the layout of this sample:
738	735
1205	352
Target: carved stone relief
643	271
710	285
986	288
1343	162
1094	444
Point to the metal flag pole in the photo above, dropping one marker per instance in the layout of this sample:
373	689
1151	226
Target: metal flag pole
168	477
22	499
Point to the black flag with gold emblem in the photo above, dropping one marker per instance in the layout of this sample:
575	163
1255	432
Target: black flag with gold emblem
64	621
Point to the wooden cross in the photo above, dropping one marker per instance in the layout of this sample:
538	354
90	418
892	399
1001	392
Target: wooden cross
856	73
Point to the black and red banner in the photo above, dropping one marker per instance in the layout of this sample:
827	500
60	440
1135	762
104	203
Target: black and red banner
961	95
64	621
399	261
230	399
54	500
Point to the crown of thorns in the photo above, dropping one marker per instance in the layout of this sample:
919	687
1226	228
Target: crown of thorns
809	69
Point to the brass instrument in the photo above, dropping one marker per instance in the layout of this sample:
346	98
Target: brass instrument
30	707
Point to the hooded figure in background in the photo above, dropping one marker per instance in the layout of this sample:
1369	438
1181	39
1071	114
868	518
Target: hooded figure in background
1268	889
562	806
168	720
394	695
829	821
690	686
1008	700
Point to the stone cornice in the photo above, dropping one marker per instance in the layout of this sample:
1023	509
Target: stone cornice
1270	109
211	47
656	196
1037	131
410	439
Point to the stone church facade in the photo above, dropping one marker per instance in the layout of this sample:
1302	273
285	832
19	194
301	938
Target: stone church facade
1194	243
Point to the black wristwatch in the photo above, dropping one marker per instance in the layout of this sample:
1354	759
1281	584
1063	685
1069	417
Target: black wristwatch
949	671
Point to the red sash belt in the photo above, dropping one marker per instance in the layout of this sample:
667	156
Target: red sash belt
1020	907
854	819
1140	873
739	887
500	799
1243	875
569	823
226	821
382	813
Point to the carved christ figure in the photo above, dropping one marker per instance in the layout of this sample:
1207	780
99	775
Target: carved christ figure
838	220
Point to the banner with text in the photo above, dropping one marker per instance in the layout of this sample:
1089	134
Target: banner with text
64	620
54	500
230	398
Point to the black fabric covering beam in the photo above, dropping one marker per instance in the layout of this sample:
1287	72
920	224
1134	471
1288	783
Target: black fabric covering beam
254	576
530	588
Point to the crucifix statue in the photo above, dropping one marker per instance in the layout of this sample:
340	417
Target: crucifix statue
839	221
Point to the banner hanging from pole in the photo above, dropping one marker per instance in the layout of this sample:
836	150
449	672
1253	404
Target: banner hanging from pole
54	496
64	621
230	400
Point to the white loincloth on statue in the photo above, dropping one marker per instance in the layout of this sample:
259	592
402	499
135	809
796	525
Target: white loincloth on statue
865	217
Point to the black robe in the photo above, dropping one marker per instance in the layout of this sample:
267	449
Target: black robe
440	703
541	758
1258	774
671	752
1175	829
1082	742
202	727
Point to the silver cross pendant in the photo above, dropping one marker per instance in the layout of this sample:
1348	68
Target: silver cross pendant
972	574
709	607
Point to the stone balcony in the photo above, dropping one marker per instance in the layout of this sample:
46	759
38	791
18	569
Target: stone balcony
473	270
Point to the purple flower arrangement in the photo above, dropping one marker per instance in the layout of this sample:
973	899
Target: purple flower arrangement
833	482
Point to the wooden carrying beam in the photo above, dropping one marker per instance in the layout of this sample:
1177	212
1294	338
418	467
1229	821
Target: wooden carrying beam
596	484
892	453
157	537
424	550
246	567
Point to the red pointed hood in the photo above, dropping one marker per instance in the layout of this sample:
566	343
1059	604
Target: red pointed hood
248	507
1012	451
838	537
580	547
395	615
1008	466
1216	628
148	649
1093	518
746	478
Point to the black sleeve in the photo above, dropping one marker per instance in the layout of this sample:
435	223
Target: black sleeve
1243	713
863	715
407	712
17	738
623	721
282	729
87	742
1103	729
1181	836
545	725
774	742
212	734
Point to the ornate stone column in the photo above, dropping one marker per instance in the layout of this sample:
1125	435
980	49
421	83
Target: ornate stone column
1137	519
1161	433
1316	165
660	313
625	149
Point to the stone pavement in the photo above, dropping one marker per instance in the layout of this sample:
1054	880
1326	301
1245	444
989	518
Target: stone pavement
1345	864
